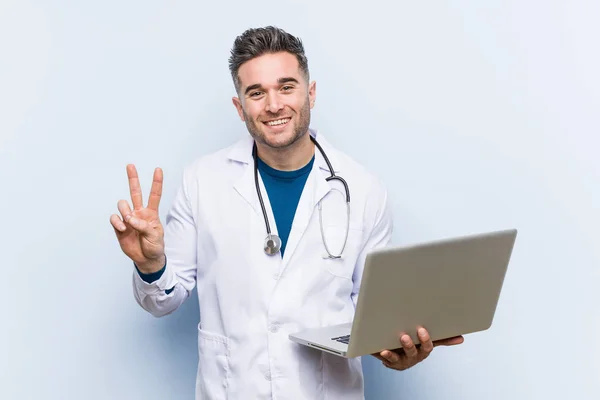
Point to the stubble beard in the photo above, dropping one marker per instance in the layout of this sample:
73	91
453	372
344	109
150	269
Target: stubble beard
302	122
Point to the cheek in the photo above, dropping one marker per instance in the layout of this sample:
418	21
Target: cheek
301	103
253	111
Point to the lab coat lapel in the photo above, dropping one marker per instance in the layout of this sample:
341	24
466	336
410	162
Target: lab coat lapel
246	184
246	187
315	189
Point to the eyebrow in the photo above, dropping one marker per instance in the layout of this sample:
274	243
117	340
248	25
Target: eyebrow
281	81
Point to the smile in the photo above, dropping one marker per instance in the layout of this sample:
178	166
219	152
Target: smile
278	122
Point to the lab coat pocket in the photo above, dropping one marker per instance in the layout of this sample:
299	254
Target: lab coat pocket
334	237
213	366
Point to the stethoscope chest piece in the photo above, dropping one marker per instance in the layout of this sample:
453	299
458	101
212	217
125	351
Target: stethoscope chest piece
272	244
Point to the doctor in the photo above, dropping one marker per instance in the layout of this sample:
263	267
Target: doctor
259	228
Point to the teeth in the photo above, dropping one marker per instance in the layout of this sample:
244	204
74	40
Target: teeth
278	122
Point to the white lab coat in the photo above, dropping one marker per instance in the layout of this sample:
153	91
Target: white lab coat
250	302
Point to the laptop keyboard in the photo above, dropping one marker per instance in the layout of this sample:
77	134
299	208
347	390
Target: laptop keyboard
342	339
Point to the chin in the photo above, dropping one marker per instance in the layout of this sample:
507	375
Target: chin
279	140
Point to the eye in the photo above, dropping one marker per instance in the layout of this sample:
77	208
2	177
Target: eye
287	88
254	94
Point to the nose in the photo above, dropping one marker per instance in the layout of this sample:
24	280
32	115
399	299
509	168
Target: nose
274	104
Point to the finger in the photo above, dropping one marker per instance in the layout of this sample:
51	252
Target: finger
134	187
453	341
156	190
425	339
117	224
409	347
139	224
390	356
125	210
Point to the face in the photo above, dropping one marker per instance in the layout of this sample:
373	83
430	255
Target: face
275	99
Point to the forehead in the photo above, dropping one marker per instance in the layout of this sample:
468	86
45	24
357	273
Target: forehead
268	68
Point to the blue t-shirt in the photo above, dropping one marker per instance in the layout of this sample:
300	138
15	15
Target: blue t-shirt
284	189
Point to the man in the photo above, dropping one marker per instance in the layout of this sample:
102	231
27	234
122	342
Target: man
252	226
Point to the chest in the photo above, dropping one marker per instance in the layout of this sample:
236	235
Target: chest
317	224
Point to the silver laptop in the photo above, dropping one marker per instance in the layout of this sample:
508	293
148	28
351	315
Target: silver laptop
451	287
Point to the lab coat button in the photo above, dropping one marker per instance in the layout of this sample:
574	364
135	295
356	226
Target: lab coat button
268	376
274	327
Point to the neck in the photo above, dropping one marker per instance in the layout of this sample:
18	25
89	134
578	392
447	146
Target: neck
289	158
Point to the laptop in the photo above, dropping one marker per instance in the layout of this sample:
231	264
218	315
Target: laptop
449	286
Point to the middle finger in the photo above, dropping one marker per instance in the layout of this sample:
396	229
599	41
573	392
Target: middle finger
409	347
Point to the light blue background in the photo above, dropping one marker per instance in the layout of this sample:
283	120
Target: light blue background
478	115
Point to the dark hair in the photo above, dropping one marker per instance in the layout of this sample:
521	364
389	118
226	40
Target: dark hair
256	42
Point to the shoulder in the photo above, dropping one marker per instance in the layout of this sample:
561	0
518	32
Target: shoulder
364	180
218	164
221	156
368	192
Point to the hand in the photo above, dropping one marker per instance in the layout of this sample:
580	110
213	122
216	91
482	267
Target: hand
410	354
140	232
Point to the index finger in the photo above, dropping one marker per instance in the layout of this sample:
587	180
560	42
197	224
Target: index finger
134	187
450	341
156	190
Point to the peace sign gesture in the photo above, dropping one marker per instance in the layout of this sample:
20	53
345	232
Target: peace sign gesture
140	232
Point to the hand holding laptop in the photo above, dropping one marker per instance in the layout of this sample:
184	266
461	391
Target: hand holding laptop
451	286
409	354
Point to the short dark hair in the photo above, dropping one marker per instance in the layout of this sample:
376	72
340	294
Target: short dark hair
256	42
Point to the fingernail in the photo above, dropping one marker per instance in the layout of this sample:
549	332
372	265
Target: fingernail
127	217
422	332
405	339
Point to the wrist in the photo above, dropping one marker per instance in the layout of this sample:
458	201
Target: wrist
151	266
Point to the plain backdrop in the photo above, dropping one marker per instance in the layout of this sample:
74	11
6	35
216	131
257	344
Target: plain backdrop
478	115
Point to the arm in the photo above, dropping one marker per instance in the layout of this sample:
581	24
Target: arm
162	292
378	216
378	211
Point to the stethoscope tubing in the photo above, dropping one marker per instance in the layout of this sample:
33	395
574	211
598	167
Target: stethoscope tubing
272	242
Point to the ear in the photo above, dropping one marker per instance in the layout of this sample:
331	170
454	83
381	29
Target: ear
238	106
312	93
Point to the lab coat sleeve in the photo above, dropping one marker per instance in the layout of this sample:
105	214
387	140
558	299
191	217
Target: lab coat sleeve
165	295
379	229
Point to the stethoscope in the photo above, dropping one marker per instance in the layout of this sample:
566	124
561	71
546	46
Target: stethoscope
273	242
